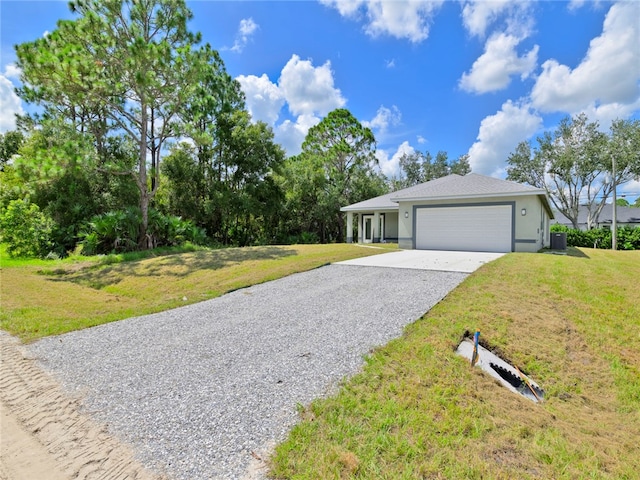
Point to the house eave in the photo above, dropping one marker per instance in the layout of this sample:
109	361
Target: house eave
370	209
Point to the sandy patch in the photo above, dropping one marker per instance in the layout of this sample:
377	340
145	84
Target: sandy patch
44	435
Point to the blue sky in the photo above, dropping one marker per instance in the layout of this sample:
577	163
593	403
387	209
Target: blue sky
472	77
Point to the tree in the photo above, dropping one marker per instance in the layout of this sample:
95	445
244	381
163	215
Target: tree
25	229
622	202
418	167
573	162
10	143
334	169
125	66
227	189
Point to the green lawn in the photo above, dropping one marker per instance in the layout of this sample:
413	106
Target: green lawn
420	411
40	298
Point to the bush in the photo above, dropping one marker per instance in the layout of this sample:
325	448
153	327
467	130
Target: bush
25	229
628	238
117	232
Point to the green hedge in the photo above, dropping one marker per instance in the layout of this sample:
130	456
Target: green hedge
628	238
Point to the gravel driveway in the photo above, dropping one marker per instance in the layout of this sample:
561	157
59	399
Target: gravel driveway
197	389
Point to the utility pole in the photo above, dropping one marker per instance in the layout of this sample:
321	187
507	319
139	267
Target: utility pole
614	223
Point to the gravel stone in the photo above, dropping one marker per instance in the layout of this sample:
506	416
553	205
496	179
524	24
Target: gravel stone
197	389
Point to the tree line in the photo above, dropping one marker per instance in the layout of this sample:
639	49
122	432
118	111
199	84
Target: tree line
142	139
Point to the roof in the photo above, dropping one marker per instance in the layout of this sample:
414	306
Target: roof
451	187
623	215
383	202
468	186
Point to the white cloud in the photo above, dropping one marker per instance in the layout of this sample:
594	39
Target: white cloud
493	69
391	63
291	135
576	4
608	112
347	8
246	29
12	71
308	92
264	99
384	117
609	73
10	105
477	16
499	135
309	89
421	140
408	19
390	166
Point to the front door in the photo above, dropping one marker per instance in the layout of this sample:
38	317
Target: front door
367	227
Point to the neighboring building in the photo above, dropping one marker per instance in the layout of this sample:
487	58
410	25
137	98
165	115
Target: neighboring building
625	216
471	212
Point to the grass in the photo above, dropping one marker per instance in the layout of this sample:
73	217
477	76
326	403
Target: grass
49	297
418	410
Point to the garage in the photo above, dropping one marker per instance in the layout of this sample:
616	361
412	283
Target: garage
476	228
458	212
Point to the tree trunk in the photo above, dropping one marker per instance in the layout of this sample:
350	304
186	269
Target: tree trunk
143	241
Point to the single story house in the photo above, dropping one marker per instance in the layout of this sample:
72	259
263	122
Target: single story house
625	216
471	212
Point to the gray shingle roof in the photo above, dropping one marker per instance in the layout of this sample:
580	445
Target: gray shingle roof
471	185
382	202
449	187
623	215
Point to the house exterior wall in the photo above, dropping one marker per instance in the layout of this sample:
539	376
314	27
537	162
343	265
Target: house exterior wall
531	231
391	226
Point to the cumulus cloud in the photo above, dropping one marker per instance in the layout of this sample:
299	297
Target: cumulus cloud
264	99
309	89
246	29
12	71
609	74
390	166
477	16
408	19
291	135
10	104
383	119
499	135
421	140
492	71
608	112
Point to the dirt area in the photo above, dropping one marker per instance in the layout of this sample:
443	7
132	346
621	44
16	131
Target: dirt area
43	434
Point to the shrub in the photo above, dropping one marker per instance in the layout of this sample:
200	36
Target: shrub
628	238
25	229
117	232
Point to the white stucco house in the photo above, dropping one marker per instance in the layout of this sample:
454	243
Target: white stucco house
471	212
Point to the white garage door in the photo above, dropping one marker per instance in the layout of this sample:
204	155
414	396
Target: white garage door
476	229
